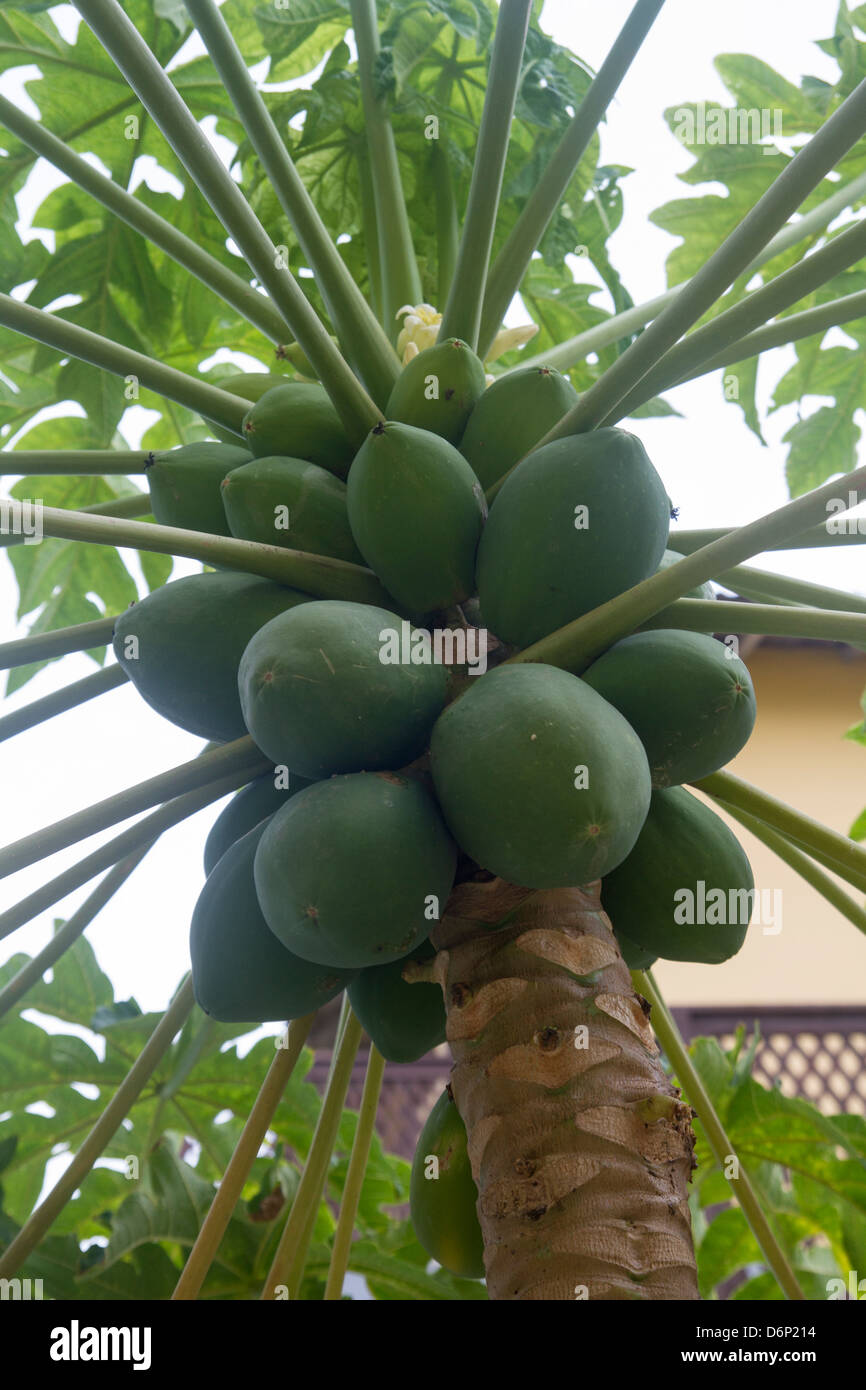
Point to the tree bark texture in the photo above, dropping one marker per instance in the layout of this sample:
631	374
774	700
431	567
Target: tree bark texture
580	1147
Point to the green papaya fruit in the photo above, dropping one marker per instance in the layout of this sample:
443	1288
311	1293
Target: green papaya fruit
686	890
247	808
704	591
416	510
443	1198
318	697
355	871
539	779
577	522
184	485
635	957
297	420
182	644
405	1021
250	386
689	699
515	412
240	972
437	389
290	502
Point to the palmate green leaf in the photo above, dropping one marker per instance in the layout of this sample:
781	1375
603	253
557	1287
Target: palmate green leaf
435	70
169	1204
149	1273
739	384
471	19
47	1075
191	215
87	1213
160	1209
822	444
19	262
704	222
755	86
44	1067
78	987
594	221
106	263
726	1248
730	153
29	391
81	95
808	1170
299	35
55	576
66	432
858	829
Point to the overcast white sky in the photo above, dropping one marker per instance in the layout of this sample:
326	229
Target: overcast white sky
714	469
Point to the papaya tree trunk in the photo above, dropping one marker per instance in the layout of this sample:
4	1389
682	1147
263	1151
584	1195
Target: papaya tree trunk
580	1146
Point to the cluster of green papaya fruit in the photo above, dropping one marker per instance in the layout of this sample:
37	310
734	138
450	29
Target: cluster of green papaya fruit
286	487
331	873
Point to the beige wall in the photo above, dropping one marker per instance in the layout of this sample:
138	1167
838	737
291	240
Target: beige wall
807	696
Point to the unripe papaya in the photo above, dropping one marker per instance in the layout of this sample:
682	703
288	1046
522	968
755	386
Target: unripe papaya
240	972
704	591
355	871
515	412
182	644
317	696
577	522
247	808
250	386
540	780
185	484
443	1198
405	1021
297	420
686	890
290	502
688	698
416	510
437	390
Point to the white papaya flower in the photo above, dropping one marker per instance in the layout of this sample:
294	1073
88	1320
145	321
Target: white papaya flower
508	338
421	325
420	329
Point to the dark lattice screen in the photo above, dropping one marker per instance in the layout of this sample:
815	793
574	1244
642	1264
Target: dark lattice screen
819	1054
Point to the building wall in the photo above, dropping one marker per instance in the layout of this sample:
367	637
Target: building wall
807	696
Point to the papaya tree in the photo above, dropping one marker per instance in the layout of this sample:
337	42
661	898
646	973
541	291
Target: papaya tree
445	640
